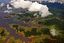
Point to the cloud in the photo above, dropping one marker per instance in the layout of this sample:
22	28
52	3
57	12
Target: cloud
35	7
53	32
7	11
8	7
2	4
43	9
20	3
31	6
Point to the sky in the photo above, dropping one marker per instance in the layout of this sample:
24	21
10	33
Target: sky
4	1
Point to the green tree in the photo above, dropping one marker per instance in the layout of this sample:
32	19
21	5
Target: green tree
45	31
27	34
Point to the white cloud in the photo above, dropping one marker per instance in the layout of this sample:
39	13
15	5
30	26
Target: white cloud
21	4
2	4
43	9
8	7
35	7
7	11
31	6
53	32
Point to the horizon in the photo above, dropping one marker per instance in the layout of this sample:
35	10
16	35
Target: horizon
61	1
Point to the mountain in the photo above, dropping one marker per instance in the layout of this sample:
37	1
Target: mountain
60	1
55	5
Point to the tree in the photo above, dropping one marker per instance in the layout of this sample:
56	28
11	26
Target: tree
34	31
20	29
16	27
46	40
45	31
2	33
27	34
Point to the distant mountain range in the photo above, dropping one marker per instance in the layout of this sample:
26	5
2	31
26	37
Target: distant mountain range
61	1
54	5
52	1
